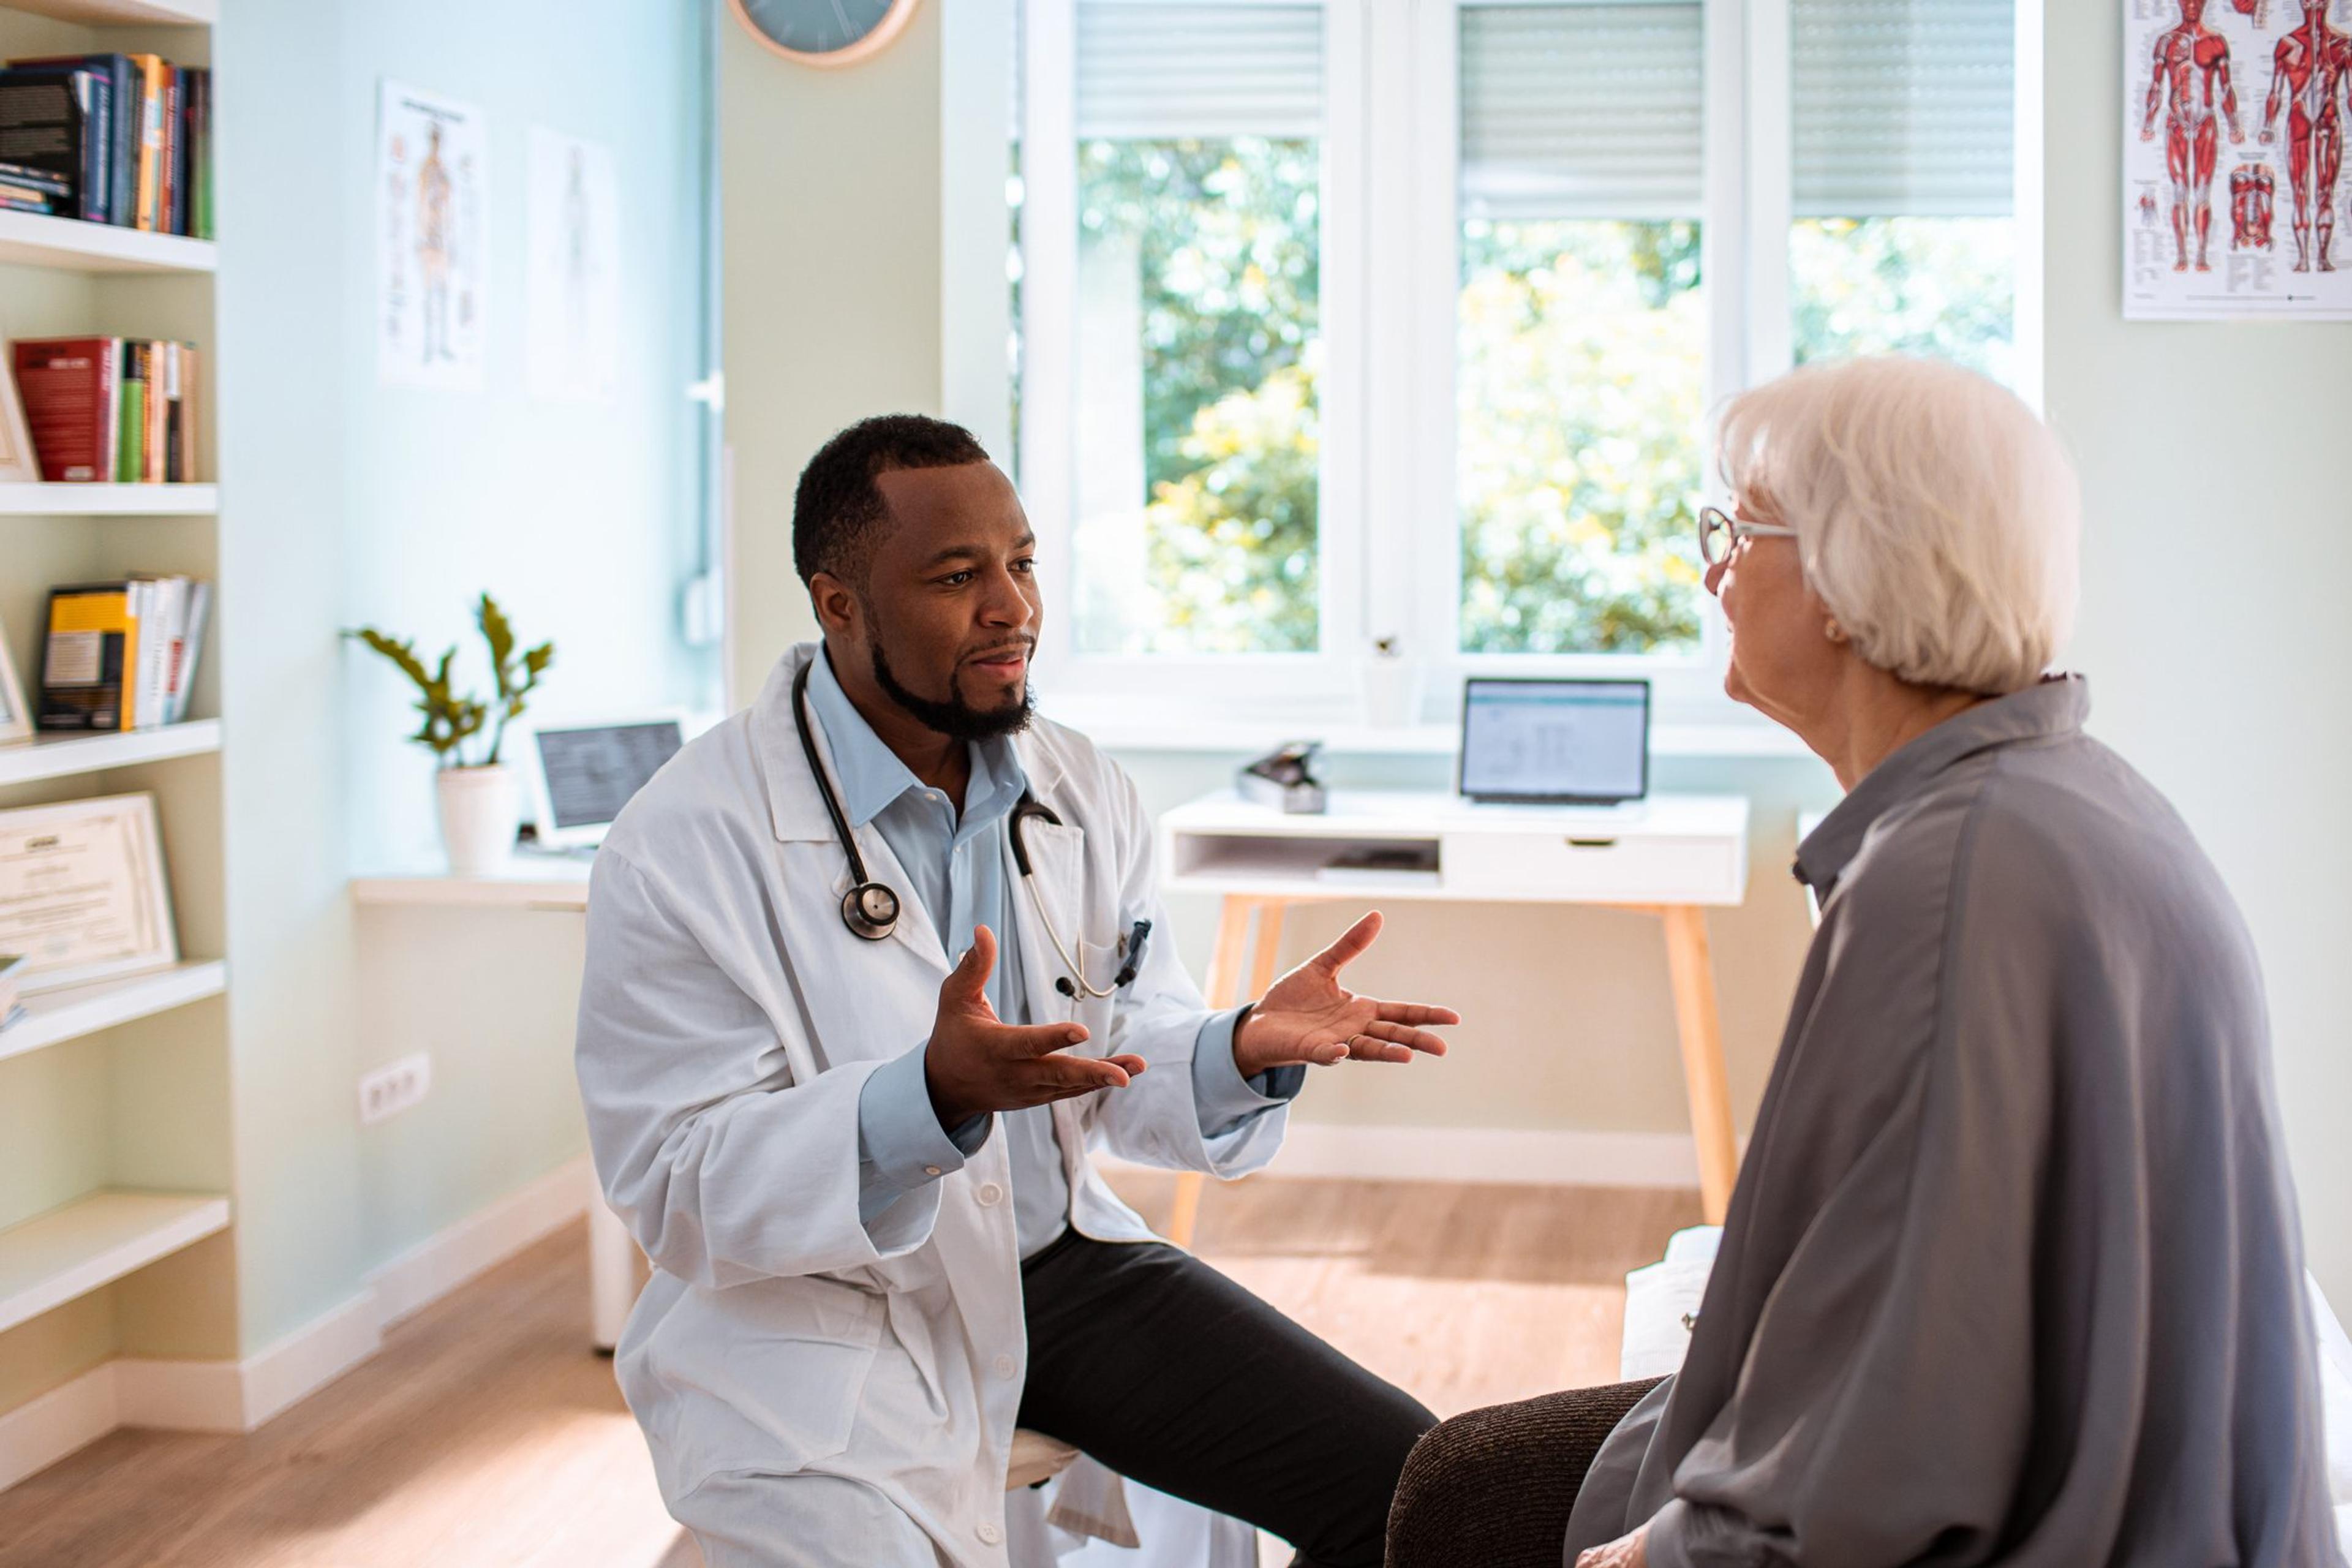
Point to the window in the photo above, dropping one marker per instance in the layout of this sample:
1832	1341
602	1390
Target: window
1385	320
1903	124
1199	190
1580	371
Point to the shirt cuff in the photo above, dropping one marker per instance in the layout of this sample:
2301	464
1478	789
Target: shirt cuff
1224	1098
1666	1545
900	1144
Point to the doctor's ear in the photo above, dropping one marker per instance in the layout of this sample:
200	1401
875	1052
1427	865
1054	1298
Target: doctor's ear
835	604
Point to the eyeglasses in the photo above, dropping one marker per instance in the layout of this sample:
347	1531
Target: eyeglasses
1719	533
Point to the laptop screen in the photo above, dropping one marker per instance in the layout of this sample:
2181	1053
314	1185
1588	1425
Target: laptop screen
1556	740
593	772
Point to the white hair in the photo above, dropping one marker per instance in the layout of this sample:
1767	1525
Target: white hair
1937	516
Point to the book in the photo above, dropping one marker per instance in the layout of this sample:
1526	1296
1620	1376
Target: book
188	642
67	387
41	181
147	208
50	119
200	155
120	127
11	1009
18	201
132	424
91	658
174	213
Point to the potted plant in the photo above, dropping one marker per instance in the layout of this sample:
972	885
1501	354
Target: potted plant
478	799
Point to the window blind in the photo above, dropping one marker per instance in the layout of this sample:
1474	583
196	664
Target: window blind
1903	107
1583	110
1153	71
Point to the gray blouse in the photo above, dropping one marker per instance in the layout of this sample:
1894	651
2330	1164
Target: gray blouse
2012	1274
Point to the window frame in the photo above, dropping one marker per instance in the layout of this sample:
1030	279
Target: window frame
1390	267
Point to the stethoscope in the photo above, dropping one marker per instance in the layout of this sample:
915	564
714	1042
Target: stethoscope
870	910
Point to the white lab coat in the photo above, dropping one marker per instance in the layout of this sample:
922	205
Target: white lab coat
728	1022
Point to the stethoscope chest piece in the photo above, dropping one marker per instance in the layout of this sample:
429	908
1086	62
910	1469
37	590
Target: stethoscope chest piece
870	910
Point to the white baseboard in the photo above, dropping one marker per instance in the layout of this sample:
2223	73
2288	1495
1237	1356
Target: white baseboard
72	1415
1519	1156
481	1241
239	1395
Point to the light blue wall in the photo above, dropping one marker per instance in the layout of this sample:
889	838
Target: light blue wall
578	516
346	502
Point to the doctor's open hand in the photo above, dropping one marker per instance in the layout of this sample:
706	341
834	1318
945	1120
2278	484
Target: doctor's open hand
976	1063
1309	1017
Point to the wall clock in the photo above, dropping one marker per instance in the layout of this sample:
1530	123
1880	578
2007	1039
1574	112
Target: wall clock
825	32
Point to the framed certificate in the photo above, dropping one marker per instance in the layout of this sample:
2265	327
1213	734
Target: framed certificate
82	892
15	718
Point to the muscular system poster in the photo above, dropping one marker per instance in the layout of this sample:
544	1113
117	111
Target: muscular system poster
2235	199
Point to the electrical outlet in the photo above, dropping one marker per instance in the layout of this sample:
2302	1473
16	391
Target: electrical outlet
391	1090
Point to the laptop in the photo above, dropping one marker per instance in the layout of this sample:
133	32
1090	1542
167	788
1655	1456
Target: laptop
1580	743
582	774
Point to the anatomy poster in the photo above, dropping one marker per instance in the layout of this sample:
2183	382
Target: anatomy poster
433	241
2235	202
573	301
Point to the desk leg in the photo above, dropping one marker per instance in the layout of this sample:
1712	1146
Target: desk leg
1225	990
1702	1036
613	1271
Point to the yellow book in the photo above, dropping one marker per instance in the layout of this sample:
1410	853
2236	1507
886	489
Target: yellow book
154	75
90	666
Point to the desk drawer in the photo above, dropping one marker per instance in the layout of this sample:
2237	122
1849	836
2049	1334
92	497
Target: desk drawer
1628	868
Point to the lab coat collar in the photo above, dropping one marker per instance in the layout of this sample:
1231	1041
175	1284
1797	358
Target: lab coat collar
796	808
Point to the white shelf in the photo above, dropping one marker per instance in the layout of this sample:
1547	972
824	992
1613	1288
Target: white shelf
109	501
68	1252
30	239
58	756
1129	731
124	12
529	882
54	1017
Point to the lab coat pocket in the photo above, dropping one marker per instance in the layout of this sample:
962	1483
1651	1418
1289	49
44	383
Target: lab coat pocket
775	1391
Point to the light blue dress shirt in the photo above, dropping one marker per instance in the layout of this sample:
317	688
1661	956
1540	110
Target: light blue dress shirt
961	868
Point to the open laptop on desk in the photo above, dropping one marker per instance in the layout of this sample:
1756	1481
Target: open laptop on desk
1555	743
582	775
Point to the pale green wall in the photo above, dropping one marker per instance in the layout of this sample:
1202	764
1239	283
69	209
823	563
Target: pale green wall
2214	626
831	193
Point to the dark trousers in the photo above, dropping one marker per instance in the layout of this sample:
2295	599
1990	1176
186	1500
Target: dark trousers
1162	1368
1493	1487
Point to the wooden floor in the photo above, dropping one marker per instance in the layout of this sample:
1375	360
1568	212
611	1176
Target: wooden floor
487	1435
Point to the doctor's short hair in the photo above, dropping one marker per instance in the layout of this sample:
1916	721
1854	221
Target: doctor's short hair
838	510
1938	517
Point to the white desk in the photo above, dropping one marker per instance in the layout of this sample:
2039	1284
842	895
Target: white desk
552	884
1670	856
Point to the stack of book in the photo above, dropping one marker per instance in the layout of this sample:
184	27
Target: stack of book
122	655
109	408
11	1010
118	139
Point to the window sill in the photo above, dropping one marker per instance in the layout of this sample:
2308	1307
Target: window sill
1127	731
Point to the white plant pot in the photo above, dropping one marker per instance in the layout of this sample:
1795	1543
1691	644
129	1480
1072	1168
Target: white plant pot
478	818
1391	691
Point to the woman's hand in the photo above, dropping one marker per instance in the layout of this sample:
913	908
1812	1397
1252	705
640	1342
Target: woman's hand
1625	1551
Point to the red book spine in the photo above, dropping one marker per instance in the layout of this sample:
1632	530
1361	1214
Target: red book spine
66	385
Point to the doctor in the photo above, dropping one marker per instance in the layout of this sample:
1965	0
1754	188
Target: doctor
872	967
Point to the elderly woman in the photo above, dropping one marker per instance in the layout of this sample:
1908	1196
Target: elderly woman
2012	1274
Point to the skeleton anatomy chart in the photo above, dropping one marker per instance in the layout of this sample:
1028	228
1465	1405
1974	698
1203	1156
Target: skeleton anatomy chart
433	247
2245	101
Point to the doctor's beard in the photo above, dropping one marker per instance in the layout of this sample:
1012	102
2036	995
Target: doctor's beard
955	717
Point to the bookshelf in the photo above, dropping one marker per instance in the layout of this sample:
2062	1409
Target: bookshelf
126	1082
54	1017
34	239
63	756
109	501
94	1241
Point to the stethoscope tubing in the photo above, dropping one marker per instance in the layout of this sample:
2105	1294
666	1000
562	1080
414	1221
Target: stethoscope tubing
870	910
